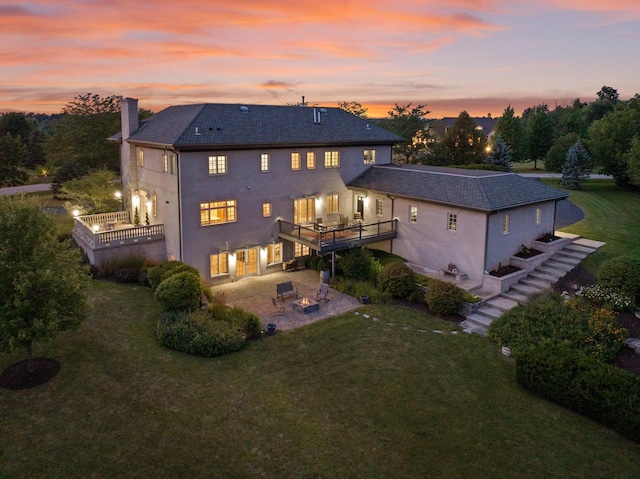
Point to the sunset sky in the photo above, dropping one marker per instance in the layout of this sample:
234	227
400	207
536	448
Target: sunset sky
452	55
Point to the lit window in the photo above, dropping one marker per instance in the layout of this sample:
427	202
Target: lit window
154	204
311	160
379	210
452	222
332	204
303	211
300	250
218	165
505	225
413	214
369	157
274	253
538	216
266	209
165	162
173	163
141	157
331	159
264	162
219	264
217	212
295	161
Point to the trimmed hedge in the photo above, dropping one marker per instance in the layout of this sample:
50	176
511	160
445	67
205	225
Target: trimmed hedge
359	264
444	298
621	273
583	384
196	333
166	269
180	292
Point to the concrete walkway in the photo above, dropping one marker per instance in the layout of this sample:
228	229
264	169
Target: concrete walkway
254	294
14	190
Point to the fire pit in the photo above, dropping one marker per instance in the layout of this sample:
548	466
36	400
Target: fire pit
306	305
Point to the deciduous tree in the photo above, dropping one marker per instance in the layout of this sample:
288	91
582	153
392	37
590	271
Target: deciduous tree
43	283
539	132
464	143
510	127
353	107
12	156
410	124
93	193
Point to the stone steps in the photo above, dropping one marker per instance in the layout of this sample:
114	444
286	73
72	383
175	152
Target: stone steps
537	281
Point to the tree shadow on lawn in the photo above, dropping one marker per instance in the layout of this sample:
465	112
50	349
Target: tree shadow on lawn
18	375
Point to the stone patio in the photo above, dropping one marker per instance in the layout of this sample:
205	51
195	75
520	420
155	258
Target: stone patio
255	293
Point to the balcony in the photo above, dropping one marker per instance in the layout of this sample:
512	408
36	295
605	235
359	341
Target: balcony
339	238
113	229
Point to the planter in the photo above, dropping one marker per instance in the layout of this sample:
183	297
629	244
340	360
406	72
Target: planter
325	276
551	247
364	299
504	271
502	284
531	263
271	329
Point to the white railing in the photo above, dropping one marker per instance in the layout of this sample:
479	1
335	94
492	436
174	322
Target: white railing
83	230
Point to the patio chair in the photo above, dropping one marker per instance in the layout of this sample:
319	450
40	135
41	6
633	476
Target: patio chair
279	306
323	293
318	226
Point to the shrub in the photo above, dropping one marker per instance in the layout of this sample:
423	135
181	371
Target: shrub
159	273
584	384
311	261
444	298
180	292
385	258
195	333
548	319
621	273
358	264
322	264
247	323
130	269
361	288
398	279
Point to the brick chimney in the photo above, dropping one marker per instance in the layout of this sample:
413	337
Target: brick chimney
129	116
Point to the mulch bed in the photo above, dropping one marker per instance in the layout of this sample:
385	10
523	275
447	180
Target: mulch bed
504	270
626	358
529	253
18	376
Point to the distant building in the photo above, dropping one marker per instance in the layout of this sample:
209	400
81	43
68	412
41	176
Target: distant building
486	124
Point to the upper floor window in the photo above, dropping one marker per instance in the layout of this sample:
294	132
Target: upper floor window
219	264
264	162
331	159
295	161
333	206
274	253
154	204
538	216
217	212
266	209
311	160
505	225
452	222
173	163
413	214
141	157
369	157
218	165
304	210
379	210
165	162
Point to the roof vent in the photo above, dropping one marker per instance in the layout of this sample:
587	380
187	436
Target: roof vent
197	132
368	126
323	111
244	109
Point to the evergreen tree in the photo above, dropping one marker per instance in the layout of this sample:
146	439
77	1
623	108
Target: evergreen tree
464	143
500	154
577	168
509	126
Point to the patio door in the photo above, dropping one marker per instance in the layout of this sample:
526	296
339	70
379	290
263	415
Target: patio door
246	262
304	211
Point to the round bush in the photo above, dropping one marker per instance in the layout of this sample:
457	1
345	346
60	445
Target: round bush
398	279
180	292
444	298
358	264
621	273
159	273
196	333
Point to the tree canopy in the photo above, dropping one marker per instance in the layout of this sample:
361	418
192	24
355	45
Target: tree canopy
509	126
410	124
539	132
500	154
93	193
463	143
44	285
577	166
353	107
13	155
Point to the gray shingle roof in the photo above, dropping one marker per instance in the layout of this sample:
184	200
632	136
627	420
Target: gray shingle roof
236	125
475	189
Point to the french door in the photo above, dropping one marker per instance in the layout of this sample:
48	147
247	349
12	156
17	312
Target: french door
246	262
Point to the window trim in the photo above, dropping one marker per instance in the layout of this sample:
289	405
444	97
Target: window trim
332	159
231	211
369	157
296	164
311	165
271	255
141	157
214	160
452	222
538	216
413	214
379	207
267	209
505	224
165	162
265	159
225	264
333	203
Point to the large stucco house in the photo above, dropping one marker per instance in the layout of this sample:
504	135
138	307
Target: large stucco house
240	190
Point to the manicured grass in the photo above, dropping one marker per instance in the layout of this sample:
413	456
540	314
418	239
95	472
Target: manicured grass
612	215
528	167
344	397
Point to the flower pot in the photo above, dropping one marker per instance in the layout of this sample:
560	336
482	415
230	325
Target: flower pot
271	329
364	299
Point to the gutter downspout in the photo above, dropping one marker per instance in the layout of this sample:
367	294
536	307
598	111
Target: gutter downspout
393	204
486	243
180	233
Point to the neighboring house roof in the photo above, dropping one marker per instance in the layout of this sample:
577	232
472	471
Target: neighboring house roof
485	124
483	190
236	125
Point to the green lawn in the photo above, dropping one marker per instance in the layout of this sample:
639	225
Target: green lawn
344	397
612	215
